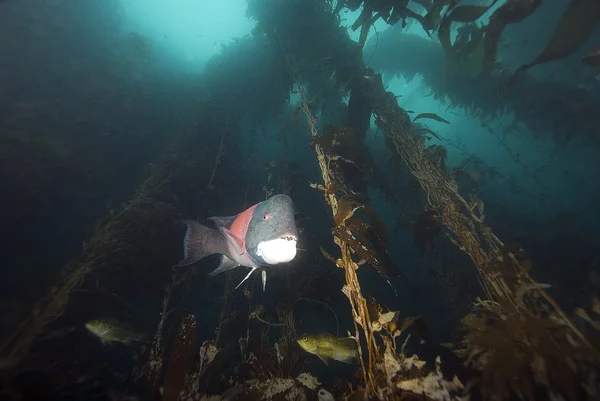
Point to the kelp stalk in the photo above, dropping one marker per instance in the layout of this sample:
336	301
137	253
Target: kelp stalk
465	220
352	288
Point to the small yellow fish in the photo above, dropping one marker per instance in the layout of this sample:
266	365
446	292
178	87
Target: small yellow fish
110	331
327	346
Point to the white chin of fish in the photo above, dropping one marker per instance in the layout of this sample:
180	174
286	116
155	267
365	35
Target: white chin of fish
280	250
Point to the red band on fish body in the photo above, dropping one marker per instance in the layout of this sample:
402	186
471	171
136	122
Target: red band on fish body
239	227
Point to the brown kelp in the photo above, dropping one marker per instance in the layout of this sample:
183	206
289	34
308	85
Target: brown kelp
548	109
464	13
385	374
512	293
573	30
512	12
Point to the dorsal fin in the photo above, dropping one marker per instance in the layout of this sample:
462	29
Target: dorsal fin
347	342
223	221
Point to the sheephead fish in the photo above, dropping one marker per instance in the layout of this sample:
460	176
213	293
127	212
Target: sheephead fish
327	346
263	234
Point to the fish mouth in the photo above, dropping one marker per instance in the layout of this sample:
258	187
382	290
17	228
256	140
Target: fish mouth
279	250
289	237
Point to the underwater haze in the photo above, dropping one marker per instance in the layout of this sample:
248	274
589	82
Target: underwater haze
299	200
187	33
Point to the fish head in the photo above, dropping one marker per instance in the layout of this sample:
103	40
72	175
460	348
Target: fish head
272	234
308	343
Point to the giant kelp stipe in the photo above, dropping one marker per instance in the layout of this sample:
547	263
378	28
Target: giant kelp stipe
443	181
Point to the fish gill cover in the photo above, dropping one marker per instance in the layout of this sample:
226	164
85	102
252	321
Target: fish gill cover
442	171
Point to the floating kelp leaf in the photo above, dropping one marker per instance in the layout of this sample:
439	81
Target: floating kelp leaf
181	361
346	209
419	324
509	13
374	309
388	317
574	29
364	16
377	235
337	133
433	386
592	59
336	187
364	33
525	289
432	116
326	145
208	352
426	4
340	158
328	256
386	320
430	132
359	247
459	14
400	12
416	17
468	13
432	19
365	20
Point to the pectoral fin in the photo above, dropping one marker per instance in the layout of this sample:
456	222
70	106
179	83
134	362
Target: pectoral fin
246	278
263	275
238	243
226	264
325	360
223	221
325	352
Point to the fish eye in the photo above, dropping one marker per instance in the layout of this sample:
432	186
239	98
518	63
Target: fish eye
266	216
305	338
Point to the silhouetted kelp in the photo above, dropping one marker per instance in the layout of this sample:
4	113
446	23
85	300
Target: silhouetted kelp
547	108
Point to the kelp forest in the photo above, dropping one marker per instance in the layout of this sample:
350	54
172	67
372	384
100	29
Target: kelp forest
407	258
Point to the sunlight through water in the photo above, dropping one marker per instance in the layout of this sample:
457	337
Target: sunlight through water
189	32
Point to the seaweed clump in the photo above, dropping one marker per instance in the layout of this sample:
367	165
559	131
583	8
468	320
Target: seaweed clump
186	374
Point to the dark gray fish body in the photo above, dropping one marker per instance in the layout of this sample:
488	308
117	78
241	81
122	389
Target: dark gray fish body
263	234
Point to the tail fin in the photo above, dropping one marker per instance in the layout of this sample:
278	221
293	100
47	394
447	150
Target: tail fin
199	242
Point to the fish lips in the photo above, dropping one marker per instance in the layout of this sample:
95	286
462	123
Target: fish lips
279	250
